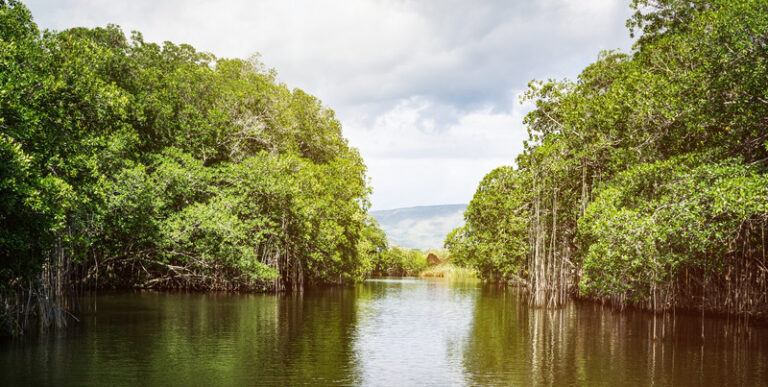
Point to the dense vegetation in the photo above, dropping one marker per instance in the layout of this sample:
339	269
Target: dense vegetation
398	261
404	262
449	270
126	163
645	182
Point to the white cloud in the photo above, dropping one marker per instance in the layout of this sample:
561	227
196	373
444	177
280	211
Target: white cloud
423	233
413	182
409	130
413	162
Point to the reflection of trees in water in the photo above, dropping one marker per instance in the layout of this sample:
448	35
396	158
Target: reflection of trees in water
218	339
223	339
586	344
311	340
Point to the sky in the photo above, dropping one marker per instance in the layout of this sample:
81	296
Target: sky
427	90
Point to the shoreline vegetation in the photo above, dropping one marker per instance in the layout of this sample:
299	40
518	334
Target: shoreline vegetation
644	182
449	270
397	261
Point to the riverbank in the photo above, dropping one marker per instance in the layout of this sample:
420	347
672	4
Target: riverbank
448	270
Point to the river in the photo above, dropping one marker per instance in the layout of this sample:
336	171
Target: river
388	332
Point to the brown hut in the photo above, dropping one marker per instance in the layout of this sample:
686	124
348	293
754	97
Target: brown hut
433	260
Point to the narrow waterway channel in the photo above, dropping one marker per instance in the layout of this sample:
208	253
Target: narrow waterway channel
389	332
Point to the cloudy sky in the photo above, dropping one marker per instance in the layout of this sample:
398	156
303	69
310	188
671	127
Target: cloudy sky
427	90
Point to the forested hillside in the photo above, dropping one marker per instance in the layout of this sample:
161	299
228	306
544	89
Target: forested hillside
645	181
125	163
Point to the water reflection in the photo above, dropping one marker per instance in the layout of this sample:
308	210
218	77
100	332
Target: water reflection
194	339
382	332
587	345
412	332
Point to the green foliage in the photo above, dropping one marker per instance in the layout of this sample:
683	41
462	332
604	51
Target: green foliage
398	261
158	165
650	164
494	239
31	212
372	247
655	220
449	270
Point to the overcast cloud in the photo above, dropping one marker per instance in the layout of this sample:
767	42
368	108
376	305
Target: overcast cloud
427	90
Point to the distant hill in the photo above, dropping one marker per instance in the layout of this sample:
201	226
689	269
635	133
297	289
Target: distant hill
420	227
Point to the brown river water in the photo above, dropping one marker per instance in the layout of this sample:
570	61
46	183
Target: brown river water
383	332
